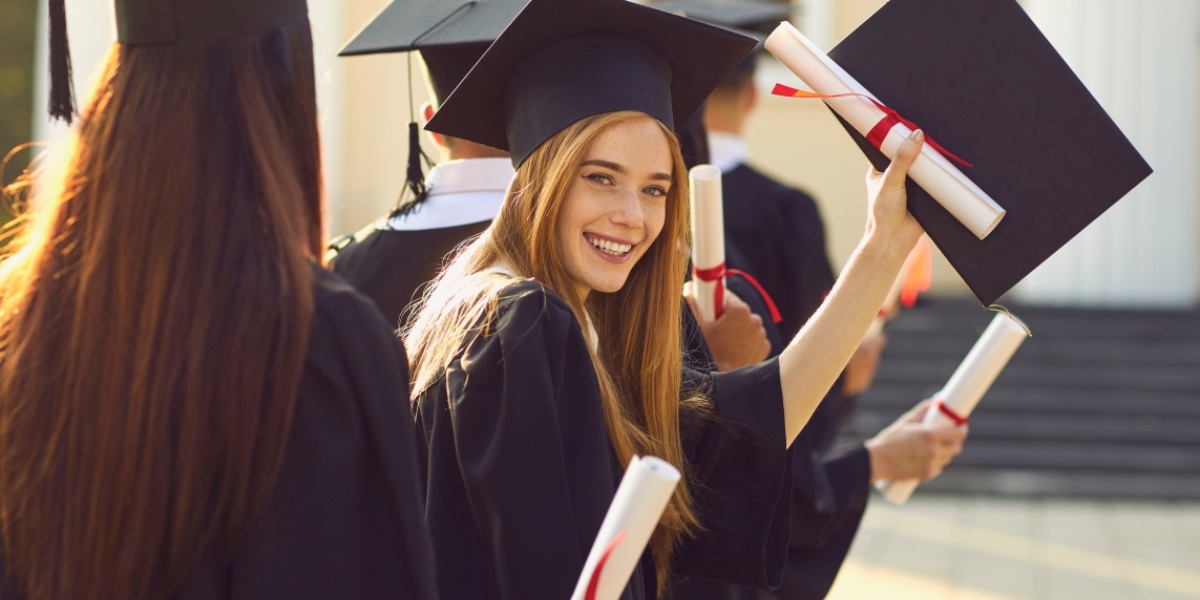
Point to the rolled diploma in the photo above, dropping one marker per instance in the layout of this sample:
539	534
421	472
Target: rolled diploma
708	236
969	383
641	498
932	171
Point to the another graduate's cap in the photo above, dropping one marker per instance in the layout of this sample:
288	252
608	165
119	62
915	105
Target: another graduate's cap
981	79
165	22
758	18
561	61
755	19
450	34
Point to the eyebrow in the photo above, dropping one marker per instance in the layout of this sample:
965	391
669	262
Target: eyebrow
622	170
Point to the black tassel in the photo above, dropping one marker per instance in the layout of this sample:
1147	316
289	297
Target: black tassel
415	175
62	94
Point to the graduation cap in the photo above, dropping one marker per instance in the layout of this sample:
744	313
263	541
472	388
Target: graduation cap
451	35
982	79
165	22
561	61
743	15
755	19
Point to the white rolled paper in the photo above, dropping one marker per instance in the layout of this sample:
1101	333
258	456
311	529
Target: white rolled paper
932	171
635	511
708	237
971	380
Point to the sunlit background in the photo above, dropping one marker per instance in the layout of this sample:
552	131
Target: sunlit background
1082	475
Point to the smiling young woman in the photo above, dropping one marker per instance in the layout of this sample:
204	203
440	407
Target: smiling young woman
548	352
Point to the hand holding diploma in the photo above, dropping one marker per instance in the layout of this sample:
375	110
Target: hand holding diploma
634	513
932	171
977	372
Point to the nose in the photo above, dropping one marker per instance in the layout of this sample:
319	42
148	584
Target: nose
629	211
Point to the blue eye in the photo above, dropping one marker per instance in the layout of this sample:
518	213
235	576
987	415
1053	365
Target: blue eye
654	190
600	178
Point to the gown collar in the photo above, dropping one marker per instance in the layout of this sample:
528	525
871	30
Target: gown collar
504	268
726	150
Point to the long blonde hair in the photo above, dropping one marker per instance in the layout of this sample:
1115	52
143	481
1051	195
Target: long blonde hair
638	362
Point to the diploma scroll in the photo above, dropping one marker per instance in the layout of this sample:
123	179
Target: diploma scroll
634	513
967	386
708	241
932	171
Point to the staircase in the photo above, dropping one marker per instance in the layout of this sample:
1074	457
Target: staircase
1097	403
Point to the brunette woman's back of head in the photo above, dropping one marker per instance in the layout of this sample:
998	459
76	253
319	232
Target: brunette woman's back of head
155	314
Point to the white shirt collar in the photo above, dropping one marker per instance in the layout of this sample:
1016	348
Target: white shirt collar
726	150
461	192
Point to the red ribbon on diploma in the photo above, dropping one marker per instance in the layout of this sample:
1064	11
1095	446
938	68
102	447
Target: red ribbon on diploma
950	413
717	275
881	129
594	582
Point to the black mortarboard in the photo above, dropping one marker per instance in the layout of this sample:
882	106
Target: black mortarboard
560	61
450	34
980	78
184	21
755	19
166	22
758	17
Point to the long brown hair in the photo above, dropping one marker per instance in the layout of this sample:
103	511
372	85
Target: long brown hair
638	361
154	318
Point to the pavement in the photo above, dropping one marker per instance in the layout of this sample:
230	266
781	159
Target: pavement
942	547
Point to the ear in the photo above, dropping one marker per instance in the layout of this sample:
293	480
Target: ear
427	114
750	97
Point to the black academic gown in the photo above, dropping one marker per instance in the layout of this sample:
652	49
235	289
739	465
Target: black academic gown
780	240
344	518
390	267
829	490
521	472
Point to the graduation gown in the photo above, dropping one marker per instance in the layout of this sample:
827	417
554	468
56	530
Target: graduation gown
390	267
390	261
520	471
344	519
829	490
779	238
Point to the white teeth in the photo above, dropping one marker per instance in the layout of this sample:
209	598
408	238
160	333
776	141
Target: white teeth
610	247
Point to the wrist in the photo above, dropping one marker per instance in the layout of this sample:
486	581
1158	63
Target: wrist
887	248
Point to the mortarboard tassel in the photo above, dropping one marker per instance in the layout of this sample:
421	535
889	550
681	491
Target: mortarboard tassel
415	175
62	94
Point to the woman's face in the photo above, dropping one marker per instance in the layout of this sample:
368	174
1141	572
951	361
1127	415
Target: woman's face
616	205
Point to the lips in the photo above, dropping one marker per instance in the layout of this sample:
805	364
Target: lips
607	246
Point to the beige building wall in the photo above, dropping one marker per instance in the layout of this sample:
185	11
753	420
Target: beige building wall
800	143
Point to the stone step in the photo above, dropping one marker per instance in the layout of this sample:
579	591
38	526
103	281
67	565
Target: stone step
1010	427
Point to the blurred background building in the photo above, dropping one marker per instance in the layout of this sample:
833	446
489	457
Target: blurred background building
1082	474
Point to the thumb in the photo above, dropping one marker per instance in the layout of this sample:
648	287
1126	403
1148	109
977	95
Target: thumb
906	155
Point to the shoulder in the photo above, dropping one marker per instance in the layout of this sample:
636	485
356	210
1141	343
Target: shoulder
764	186
337	305
344	246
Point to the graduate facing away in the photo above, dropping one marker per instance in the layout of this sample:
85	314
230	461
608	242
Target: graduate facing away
193	409
548	353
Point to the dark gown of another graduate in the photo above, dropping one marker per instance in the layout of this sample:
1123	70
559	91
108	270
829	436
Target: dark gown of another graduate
390	267
344	519
520	471
829	491
780	240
